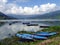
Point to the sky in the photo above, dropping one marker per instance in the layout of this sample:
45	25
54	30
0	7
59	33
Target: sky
28	7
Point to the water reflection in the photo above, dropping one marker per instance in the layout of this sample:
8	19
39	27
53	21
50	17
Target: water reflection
7	29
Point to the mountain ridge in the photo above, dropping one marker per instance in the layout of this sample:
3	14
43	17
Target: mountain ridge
51	15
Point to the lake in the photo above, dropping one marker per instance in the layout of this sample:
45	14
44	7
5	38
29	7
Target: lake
7	29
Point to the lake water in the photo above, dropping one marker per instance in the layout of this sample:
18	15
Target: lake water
7	29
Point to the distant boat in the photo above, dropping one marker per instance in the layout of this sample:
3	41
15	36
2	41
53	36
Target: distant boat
44	26
13	22
32	24
25	23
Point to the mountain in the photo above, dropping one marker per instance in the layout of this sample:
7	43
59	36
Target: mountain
51	15
3	16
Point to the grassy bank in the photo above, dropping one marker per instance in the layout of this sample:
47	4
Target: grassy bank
15	40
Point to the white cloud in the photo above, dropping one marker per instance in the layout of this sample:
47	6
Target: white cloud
47	7
3	1
32	10
2	4
12	8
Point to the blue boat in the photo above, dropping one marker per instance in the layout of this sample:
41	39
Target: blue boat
30	36
35	36
53	33
24	37
39	37
46	33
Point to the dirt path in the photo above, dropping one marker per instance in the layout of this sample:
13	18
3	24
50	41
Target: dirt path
46	42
